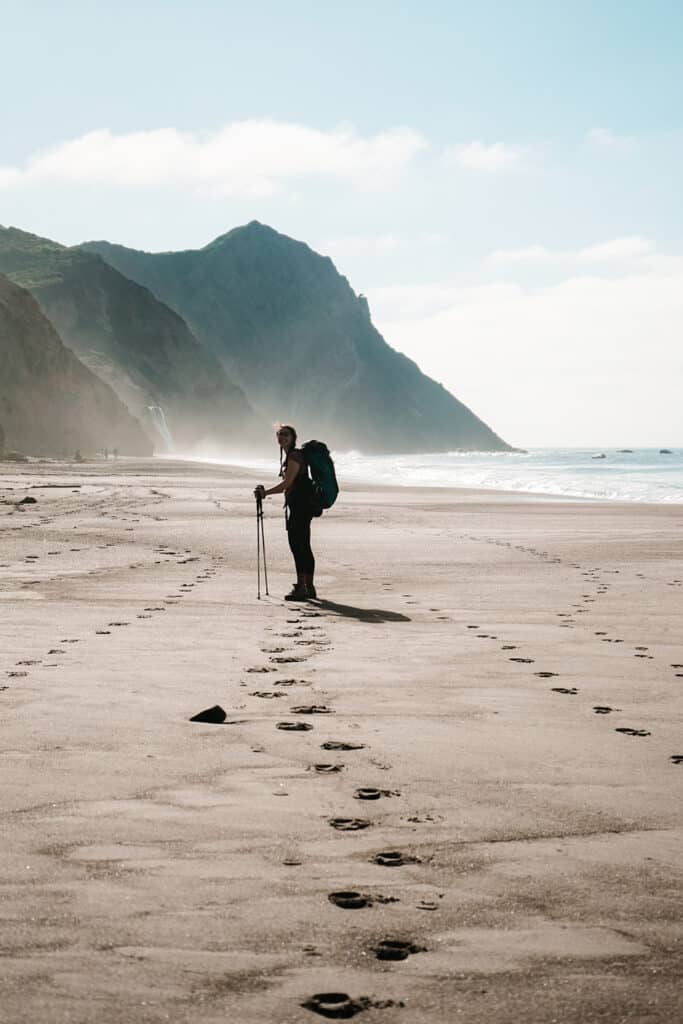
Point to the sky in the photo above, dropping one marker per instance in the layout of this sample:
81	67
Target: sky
500	179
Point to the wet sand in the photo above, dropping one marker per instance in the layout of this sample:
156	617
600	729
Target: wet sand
502	675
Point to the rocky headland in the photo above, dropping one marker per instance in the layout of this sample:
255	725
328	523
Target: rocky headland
50	403
144	350
290	330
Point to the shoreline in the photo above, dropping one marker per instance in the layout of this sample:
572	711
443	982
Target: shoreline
502	675
464	492
522	493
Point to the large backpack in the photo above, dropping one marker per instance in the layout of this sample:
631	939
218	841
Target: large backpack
324	479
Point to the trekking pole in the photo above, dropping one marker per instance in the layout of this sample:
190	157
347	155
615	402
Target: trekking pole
258	549
263	545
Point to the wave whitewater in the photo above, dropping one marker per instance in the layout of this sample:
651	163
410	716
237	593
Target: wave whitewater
637	475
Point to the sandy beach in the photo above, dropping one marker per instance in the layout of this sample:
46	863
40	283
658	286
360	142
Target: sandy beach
487	757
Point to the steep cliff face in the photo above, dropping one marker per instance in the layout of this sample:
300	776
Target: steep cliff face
290	330
143	349
50	403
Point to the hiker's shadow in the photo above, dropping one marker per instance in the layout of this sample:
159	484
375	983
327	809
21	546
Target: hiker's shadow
349	611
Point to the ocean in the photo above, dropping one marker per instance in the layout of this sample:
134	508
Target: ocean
640	475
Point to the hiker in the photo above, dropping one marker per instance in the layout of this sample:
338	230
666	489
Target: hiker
299	511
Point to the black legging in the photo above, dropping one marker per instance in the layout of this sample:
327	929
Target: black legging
299	536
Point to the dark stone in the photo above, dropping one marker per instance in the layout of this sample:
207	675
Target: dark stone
215	715
27	501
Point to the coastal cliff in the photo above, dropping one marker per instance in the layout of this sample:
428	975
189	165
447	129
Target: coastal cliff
133	341
289	329
50	403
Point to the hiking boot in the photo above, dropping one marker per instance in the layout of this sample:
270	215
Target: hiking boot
299	592
312	593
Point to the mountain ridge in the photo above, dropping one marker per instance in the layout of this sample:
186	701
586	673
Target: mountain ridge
50	402
131	339
288	327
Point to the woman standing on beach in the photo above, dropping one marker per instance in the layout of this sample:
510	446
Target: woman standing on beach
297	488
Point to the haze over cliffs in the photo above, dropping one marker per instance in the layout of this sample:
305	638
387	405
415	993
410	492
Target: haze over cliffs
291	332
144	350
50	403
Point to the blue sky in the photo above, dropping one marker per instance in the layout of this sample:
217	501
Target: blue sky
501	179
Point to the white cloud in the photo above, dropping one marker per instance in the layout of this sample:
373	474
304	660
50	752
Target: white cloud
244	157
627	248
481	156
8	176
529	254
380	244
610	140
589	359
631	248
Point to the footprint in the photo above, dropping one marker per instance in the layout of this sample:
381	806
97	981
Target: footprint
294	726
349	824
349	900
633	732
571	690
29	661
290	682
546	675
326	769
396	949
523	661
286	660
393	859
603	709
266	694
676	758
118	623
56	650
311	709
103	632
370	793
17	675
335	1005
509	647
341	745
263	668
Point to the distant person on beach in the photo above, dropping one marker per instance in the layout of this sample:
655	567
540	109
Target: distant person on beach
297	488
